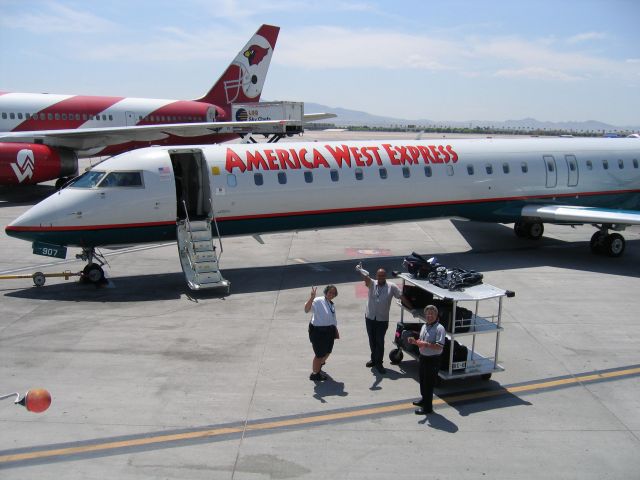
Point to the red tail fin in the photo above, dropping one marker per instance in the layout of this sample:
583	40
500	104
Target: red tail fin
242	81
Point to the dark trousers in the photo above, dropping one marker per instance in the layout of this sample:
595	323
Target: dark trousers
429	367
376	331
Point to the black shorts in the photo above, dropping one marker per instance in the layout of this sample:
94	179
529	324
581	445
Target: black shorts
322	339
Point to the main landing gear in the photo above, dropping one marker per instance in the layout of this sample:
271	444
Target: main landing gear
93	272
532	230
604	243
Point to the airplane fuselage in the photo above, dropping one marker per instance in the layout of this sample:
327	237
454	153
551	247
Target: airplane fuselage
265	188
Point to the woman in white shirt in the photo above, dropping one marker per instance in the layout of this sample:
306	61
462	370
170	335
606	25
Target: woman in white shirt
323	328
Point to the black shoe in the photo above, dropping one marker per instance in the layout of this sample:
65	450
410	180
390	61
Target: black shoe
369	364
423	411
381	369
316	377
418	403
323	375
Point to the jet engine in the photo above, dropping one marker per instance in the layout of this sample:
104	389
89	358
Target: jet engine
30	163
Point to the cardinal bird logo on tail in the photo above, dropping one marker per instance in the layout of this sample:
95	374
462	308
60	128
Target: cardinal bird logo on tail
255	54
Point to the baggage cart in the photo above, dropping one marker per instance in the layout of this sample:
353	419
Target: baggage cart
482	316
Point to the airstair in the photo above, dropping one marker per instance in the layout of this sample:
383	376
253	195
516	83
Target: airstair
198	255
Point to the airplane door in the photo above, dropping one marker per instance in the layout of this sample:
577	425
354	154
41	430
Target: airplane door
551	170
192	183
572	168
131	119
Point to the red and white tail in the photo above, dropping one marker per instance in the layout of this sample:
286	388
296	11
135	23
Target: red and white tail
242	81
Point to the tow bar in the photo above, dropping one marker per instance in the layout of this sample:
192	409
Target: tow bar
40	278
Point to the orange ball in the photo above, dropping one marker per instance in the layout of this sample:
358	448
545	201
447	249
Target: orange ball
37	400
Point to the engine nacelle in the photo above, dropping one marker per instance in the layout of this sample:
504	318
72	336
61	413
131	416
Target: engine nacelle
29	163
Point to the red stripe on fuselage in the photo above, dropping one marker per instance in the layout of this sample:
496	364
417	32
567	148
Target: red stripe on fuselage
73	108
320	212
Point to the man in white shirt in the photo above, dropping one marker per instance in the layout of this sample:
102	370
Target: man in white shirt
376	315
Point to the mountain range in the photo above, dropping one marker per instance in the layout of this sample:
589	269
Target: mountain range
346	117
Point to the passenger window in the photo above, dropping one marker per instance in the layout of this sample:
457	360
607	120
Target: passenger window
427	171
308	176
450	170
589	165
550	166
383	173
605	164
64	116
12	115
635	163
470	169
57	116
282	178
84	116
257	178
335	176
20	116
232	181
4	115
524	167
359	174
572	165
505	167
489	169
122	179
49	116
77	116
406	173
620	163
27	116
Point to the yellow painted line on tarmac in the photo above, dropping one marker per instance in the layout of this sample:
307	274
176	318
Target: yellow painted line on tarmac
309	420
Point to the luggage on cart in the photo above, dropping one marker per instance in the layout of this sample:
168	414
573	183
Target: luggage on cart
418	266
463	316
460	353
418	297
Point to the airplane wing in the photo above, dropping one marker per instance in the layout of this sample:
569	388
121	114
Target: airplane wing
580	215
312	117
88	138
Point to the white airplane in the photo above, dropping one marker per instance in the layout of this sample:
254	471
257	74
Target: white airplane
198	193
42	135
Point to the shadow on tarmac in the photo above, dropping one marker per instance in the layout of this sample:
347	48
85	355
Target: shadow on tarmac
24	195
493	248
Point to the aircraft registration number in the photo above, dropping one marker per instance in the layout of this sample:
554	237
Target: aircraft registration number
49	250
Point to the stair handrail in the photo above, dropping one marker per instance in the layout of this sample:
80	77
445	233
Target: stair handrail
215	224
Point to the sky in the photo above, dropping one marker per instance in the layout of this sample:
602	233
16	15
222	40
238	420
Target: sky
561	60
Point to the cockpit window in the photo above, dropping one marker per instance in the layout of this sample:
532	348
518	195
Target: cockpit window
87	180
122	179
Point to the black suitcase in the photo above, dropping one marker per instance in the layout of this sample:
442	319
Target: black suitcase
418	297
460	353
445	311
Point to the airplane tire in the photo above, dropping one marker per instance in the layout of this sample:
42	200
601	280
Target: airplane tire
519	230
534	230
614	245
39	279
596	242
93	273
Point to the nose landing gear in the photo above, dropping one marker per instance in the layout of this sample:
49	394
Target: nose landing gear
92	272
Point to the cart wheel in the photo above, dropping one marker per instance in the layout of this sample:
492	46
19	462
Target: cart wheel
486	376
395	356
38	279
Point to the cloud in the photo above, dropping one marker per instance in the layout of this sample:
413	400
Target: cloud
56	18
586	37
537	73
